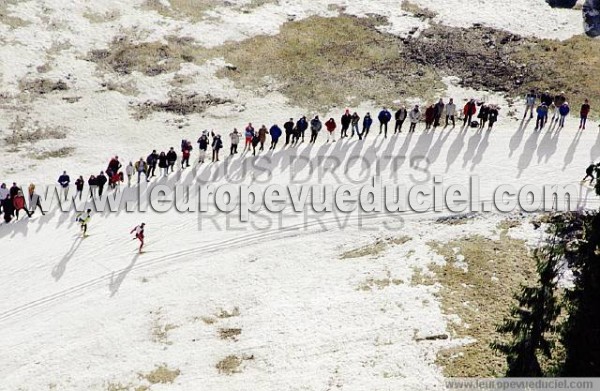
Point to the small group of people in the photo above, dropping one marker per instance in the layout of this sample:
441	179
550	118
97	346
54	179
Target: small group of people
556	105
12	201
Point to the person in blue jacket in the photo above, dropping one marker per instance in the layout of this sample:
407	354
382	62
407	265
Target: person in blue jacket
275	133
64	182
563	110
367	122
384	117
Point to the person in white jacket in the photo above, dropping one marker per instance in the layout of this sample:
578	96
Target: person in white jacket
129	173
414	116
451	112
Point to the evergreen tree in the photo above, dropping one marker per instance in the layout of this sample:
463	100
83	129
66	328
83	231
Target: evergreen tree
532	318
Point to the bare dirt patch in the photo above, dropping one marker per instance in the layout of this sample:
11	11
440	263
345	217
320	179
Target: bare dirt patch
61	152
179	103
39	87
481	296
230	333
374	249
26	131
379	283
224	314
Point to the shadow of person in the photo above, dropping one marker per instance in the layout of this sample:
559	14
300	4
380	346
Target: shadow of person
471	148
595	150
548	146
516	139
115	283
59	269
572	148
455	149
435	150
527	155
483	145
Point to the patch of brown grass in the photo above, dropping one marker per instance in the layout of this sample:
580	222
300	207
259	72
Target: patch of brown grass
224	314
25	131
380	283
180	104
231	364
323	62
61	152
481	297
376	248
124	55
229	333
97	17
507	224
42	86
161	375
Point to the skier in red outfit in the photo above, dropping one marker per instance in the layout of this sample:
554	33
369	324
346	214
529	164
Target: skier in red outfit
139	234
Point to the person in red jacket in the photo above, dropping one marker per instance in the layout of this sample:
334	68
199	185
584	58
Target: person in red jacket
583	114
469	111
19	203
330	125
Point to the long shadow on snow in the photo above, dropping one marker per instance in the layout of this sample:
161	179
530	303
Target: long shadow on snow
115	283
59	270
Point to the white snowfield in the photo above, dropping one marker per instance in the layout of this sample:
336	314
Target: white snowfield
91	314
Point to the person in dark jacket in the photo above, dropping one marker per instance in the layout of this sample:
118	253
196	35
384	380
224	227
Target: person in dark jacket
589	173
255	141
355	121
302	125
345	121
559	100
93	184
289	130
469	111
400	117
315	128
64	181
186	150
591	18
100	182
493	116
275	133
483	116
152	161
546	98
367	122
583	114
79	186
9	210
429	116
114	165
163	163
563	110
439	110
171	159
262	135
384	118
217	144
202	147
542	114
14	190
